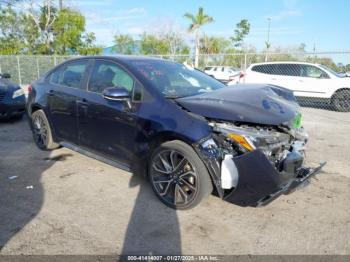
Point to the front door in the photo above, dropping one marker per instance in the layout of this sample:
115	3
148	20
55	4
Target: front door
106	126
313	82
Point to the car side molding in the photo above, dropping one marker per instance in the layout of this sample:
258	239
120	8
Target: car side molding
96	156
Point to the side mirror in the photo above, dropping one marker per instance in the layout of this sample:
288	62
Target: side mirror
5	75
116	94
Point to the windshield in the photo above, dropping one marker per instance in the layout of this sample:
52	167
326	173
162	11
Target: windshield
332	71
175	80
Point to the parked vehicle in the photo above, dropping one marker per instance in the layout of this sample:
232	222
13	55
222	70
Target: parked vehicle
224	74
187	132
312	81
12	99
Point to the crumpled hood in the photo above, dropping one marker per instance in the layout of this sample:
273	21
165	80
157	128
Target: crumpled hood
253	103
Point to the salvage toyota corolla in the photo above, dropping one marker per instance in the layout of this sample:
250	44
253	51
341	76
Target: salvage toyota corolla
187	132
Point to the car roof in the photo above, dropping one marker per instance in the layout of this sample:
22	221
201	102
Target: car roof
284	62
120	57
220	66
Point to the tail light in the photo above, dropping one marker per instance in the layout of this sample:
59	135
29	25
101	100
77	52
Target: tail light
241	75
30	89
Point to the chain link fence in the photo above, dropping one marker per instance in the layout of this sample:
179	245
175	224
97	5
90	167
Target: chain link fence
26	69
324	82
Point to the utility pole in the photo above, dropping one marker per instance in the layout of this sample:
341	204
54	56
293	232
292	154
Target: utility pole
60	4
268	37
314	49
268	30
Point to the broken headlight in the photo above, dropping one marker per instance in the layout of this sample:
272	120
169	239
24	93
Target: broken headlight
250	138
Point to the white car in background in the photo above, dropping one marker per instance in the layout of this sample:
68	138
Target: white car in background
306	80
224	74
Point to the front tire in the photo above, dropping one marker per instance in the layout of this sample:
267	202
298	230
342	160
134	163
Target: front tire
42	133
178	176
341	101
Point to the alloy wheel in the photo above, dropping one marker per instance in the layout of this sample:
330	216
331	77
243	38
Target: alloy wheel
40	131
174	178
342	101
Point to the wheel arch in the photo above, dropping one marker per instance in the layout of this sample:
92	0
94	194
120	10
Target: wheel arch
35	107
337	106
339	90
171	136
157	140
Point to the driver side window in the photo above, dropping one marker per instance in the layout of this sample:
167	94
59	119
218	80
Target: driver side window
107	74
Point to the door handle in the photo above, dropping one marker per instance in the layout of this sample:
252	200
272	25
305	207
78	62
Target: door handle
83	102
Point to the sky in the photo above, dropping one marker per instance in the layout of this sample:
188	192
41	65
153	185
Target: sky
320	23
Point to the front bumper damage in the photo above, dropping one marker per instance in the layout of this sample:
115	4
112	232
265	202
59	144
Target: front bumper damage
260	183
257	181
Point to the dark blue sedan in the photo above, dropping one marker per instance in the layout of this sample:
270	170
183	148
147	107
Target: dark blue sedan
12	99
187	132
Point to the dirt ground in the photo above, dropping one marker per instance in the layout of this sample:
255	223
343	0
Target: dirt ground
65	203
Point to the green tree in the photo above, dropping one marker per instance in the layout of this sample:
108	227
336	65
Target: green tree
153	45
11	39
176	44
214	45
323	61
197	21
44	30
211	46
88	46
41	25
241	31
68	28
124	44
31	35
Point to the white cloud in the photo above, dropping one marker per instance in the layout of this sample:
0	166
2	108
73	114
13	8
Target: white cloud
276	31
134	30
103	17
284	14
106	24
290	4
136	10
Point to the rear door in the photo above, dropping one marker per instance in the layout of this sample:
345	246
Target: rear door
106	126
287	75
66	86
266	73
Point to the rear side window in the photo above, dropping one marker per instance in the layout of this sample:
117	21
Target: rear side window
55	76
265	69
108	74
289	69
71	75
278	69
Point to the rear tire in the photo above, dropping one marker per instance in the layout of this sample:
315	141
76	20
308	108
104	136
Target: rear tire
42	133
341	101
178	176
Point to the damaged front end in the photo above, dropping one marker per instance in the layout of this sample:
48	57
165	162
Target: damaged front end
251	165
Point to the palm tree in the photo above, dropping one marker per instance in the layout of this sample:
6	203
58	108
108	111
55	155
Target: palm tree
197	21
